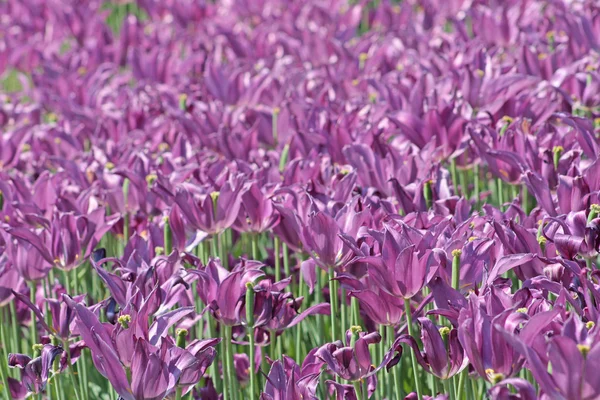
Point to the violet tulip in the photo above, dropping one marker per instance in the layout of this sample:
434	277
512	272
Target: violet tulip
351	360
288	381
442	356
35	372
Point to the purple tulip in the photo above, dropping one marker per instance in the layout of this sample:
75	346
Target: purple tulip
61	311
10	280
277	311
381	307
26	259
34	372
216	211
488	349
525	390
400	260
351	361
257	212
68	239
286	380
442	356
321	238
224	291
571	354
157	365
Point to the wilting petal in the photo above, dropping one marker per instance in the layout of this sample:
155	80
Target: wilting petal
320	309
35	310
342	391
524	389
162	323
434	347
507	263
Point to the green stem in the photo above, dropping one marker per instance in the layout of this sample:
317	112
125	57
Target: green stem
319	296
500	192
253	383
354	311
343	311
390	336
273	345
15	326
205	249
454	176
213	247
476	187
428	194
223	251
276	111
82	376
126	224
167	236
473	390
214	367
181	335
284	157
434	386
333	297
357	389
525	194
299	328
594	211
225	363
229	368
514	192
3	341
463	178
254	245
70	367
81	365
199	307
229	238
431	380
3	373
277	254
413	359
361	388
126	219
58	390
200	252
449	389
456	269
67	280
461	384
280	347
365	389
33	327
286	263
250	321
557	153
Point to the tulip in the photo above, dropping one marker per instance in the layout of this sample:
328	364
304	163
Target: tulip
288	381
351	360
34	372
442	355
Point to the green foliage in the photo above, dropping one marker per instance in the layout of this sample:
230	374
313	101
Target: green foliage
118	13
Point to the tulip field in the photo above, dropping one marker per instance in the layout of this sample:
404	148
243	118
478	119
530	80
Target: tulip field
299	199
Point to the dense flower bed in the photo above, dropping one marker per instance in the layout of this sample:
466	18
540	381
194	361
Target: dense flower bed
285	200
